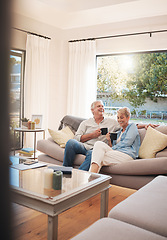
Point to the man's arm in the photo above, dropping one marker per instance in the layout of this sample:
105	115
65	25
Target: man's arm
139	126
89	136
82	136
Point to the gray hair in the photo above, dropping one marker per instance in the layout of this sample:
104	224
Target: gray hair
93	104
125	111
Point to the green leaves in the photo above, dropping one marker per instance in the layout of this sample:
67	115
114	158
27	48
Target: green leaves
146	78
24	119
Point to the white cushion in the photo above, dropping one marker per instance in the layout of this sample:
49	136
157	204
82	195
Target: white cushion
61	136
153	142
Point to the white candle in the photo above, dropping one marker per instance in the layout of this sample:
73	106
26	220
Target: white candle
48	178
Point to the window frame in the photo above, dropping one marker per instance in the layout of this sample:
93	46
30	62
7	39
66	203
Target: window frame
124	54
20	53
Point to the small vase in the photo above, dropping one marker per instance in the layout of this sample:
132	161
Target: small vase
24	125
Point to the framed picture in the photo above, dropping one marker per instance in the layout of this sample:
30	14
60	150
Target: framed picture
38	120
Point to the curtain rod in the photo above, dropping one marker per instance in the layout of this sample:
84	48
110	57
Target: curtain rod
32	33
120	35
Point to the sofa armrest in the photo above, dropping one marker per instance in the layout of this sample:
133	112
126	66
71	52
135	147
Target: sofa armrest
51	148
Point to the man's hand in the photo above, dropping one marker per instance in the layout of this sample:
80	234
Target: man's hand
89	136
151	125
96	133
139	126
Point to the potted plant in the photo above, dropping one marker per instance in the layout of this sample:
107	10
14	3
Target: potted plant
24	122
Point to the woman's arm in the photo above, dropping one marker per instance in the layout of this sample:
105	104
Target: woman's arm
127	137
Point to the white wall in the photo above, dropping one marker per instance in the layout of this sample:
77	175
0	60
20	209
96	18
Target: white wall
59	49
125	44
58	63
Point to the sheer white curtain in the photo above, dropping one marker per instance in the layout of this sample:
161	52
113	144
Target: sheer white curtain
36	82
82	78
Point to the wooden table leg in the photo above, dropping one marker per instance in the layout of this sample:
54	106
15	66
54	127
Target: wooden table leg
104	203
53	227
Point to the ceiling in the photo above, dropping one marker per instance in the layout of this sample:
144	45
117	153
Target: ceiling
69	14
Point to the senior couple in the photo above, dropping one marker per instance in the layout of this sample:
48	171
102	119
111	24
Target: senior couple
98	148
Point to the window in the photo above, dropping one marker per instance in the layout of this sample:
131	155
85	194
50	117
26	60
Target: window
16	94
138	81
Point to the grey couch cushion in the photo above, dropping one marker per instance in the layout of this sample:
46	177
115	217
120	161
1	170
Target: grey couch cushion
162	153
111	229
146	208
131	181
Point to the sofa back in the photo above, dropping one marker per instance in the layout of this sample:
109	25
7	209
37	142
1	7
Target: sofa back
74	122
162	129
70	121
142	131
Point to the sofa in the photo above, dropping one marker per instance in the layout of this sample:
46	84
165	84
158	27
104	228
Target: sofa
132	174
143	215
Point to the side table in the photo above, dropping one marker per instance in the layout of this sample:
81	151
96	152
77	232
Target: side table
29	130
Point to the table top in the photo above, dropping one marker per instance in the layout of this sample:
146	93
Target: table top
29	130
31	182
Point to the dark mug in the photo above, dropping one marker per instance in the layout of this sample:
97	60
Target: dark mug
104	131
113	136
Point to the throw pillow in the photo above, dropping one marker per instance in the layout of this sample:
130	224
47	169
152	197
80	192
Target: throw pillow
153	142
61	136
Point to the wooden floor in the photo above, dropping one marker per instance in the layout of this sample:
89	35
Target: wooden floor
29	224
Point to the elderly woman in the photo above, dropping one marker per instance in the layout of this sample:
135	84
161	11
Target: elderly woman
125	148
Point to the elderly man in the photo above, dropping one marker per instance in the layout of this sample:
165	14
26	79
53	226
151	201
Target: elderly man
87	134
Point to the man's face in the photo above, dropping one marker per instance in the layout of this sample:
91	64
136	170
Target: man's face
98	109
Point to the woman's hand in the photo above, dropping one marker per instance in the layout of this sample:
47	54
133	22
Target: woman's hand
108	139
108	136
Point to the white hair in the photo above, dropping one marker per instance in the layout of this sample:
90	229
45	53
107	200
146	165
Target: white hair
93	103
125	111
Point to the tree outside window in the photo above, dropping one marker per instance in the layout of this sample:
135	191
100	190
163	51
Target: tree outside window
139	79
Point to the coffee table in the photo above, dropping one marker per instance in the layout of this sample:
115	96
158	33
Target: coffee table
27	189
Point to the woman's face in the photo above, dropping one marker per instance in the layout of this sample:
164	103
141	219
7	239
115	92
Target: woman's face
122	120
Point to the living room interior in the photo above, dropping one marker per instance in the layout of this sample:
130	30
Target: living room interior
88	21
116	27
